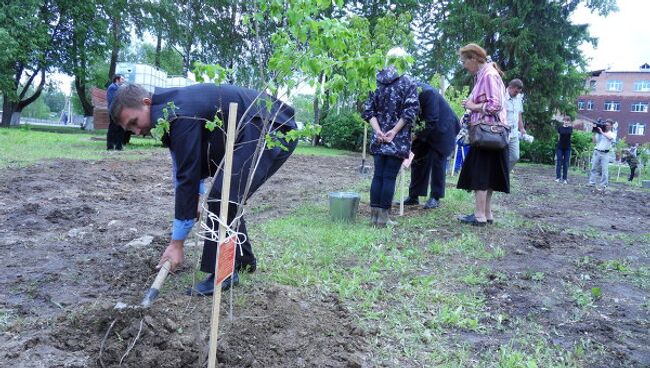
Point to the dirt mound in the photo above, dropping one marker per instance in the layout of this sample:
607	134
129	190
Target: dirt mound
281	327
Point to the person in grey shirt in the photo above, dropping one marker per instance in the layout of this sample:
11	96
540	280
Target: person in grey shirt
600	159
514	111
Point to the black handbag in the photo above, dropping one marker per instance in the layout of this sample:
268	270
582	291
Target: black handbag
488	136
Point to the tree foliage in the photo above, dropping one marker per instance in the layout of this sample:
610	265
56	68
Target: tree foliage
531	40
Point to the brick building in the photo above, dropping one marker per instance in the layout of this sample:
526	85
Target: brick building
623	96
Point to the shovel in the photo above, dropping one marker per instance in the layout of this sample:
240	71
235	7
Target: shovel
153	291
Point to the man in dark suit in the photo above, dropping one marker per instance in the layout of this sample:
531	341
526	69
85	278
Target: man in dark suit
431	147
197	153
115	134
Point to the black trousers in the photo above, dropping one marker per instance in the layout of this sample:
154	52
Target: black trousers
271	161
114	136
427	167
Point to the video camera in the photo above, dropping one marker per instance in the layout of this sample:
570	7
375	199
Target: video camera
600	123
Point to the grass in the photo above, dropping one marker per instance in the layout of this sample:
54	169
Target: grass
25	145
420	285
306	149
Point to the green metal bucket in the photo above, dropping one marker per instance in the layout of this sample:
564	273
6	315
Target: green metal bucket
344	206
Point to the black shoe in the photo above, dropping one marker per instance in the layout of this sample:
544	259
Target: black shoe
431	203
490	222
410	201
206	287
471	220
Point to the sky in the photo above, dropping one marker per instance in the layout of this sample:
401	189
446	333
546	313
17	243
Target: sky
623	36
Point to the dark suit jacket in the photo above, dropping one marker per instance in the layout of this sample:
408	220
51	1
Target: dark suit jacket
441	122
197	152
110	94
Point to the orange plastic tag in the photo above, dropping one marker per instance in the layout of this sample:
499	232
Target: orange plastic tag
226	260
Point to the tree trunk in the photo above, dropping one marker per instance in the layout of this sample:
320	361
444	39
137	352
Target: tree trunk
158	49
83	98
11	110
115	47
316	139
8	108
15	118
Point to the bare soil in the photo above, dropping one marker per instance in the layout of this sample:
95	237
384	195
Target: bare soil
79	236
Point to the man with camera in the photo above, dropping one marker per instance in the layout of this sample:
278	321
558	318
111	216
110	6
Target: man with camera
603	137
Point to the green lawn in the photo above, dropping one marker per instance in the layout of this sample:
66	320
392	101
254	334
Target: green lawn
25	145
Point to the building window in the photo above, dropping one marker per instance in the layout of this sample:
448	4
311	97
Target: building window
581	105
636	129
590	105
612	106
614	85
640	107
642	86
592	85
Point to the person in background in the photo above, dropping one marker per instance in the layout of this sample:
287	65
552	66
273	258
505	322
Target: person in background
632	160
484	171
431	147
391	111
514	106
115	134
563	150
604	139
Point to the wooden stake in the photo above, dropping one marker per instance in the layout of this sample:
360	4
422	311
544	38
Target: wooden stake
223	213
453	166
365	137
401	191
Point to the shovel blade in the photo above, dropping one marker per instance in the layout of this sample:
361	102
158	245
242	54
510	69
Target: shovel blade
151	295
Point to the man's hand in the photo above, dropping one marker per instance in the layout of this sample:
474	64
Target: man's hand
173	253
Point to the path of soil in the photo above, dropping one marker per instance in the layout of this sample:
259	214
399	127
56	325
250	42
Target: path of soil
80	236
75	242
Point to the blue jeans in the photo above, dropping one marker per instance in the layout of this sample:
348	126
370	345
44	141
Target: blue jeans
382	188
562	159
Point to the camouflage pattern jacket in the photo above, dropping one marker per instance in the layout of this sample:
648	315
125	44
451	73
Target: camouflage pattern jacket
395	97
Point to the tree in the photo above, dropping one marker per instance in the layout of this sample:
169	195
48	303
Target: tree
54	98
303	105
82	45
27	30
531	40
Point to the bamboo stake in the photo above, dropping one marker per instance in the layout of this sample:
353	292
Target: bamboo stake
365	138
453	166
223	213
401	191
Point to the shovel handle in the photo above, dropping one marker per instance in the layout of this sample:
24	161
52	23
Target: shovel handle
162	274
152	293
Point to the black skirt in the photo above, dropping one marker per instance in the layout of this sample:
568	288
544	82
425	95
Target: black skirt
485	170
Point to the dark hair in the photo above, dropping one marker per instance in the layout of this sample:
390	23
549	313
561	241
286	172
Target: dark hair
129	96
516	83
116	77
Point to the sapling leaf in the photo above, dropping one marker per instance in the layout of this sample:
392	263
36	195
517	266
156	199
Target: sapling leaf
596	293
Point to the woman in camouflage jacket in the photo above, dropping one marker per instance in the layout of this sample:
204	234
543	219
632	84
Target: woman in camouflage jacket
391	111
